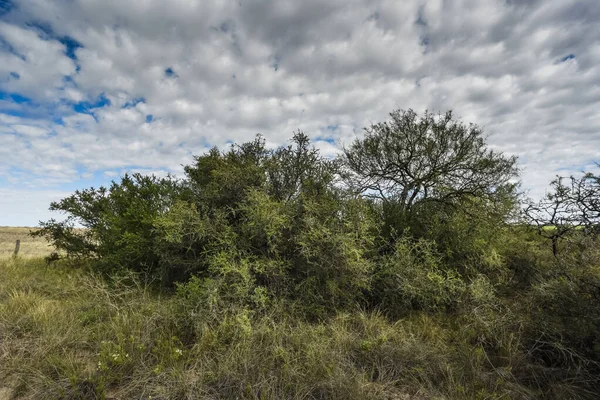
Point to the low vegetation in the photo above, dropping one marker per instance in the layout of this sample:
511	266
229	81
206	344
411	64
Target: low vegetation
409	267
30	247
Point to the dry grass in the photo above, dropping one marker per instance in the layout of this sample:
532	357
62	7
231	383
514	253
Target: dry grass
70	335
30	247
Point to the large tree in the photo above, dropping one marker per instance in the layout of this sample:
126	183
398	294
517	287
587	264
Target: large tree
413	159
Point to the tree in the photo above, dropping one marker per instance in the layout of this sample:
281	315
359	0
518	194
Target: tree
567	208
412	160
557	214
586	194
299	169
221	179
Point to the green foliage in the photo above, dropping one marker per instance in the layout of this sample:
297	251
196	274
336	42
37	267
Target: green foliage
292	234
298	170
472	238
412	159
220	180
188	235
331	265
412	278
565	301
114	226
402	268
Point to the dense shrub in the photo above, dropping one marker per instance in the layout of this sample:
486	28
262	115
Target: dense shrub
115	225
417	220
413	278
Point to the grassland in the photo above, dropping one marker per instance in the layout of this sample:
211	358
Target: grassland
30	247
67	333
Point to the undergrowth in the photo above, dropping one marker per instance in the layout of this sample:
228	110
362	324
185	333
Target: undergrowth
67	334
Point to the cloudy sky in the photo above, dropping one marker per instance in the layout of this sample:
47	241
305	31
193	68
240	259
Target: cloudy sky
90	89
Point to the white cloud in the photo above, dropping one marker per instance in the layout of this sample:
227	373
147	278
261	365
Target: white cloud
29	130
8	119
527	71
40	65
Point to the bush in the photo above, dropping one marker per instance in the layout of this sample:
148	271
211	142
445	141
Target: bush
115	225
413	278
564	327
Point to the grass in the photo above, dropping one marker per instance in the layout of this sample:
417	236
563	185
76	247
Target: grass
30	247
67	334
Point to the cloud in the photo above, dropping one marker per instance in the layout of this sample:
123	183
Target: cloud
94	88
29	130
36	66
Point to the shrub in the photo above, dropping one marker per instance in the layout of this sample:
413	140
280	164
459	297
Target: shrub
413	278
115	225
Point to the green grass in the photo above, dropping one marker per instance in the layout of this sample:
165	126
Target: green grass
68	334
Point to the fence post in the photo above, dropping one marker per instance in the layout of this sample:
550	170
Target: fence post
17	247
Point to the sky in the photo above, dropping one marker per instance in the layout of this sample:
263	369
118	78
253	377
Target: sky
91	89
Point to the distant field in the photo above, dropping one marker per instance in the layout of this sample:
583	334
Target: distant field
30	247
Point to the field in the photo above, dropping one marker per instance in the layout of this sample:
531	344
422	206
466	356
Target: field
67	332
30	247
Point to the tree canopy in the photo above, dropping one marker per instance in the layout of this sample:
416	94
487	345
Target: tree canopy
414	159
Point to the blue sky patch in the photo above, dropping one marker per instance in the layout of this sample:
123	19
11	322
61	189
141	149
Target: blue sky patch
86	107
170	73
21	112
567	58
17	105
6	6
71	46
14	98
58	120
47	33
134	102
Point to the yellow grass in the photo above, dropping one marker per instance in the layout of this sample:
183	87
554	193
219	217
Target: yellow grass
30	247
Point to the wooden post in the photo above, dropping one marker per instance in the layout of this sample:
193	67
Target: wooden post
17	247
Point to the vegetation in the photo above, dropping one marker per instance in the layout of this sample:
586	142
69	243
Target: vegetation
409	267
566	208
31	247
